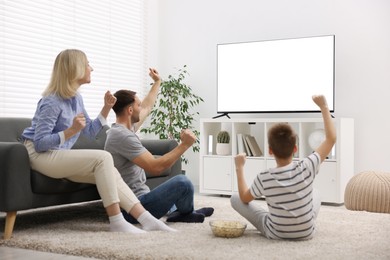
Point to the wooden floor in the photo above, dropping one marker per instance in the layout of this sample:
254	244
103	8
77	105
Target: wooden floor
8	253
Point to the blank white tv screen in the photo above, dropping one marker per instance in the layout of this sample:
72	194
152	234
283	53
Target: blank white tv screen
275	75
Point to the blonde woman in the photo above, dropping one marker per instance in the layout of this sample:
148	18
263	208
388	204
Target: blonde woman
59	120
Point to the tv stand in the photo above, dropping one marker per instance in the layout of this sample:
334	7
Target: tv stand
217	172
221	115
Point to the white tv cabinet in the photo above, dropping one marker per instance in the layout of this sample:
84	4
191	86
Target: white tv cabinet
217	173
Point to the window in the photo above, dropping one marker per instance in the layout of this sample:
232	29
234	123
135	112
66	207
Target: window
32	33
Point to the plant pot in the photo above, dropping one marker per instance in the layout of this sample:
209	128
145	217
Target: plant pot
223	149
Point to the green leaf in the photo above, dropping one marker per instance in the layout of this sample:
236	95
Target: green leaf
174	109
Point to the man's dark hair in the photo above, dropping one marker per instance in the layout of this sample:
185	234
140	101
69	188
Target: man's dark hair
124	98
282	139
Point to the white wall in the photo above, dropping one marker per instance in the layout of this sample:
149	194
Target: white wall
187	32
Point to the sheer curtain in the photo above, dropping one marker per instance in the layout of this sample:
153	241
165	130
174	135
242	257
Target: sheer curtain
32	33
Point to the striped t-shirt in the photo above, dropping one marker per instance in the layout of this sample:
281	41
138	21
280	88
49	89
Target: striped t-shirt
288	192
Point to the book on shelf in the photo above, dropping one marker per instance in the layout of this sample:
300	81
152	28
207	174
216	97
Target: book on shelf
240	144
246	145
253	146
296	154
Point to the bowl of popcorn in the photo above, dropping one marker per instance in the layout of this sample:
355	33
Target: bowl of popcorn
227	228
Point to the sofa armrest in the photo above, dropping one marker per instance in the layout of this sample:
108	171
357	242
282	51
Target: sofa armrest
159	147
15	177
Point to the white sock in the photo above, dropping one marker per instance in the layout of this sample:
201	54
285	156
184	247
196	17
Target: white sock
119	224
150	223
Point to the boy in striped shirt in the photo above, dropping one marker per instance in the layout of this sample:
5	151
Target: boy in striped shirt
293	204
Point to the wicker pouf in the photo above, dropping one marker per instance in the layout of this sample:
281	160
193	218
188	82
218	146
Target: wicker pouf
368	191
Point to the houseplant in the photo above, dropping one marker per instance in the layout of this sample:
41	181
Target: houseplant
174	110
223	143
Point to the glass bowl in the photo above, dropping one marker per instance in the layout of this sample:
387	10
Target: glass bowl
227	228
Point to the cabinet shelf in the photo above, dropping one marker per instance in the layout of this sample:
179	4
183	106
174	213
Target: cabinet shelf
217	172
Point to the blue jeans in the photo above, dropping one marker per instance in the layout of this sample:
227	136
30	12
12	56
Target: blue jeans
177	191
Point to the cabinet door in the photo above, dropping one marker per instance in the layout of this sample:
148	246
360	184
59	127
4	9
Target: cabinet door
252	167
327	183
217	173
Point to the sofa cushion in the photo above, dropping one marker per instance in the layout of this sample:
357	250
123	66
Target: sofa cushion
41	184
12	128
84	142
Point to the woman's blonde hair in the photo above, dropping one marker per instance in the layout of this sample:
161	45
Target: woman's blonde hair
69	67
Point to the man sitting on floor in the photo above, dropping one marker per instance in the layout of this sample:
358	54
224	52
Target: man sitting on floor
131	159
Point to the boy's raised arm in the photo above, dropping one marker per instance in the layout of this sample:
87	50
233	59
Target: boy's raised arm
330	131
243	190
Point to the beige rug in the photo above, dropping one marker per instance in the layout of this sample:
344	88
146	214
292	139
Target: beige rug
82	230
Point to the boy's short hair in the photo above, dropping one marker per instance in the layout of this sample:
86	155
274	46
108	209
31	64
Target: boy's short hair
282	139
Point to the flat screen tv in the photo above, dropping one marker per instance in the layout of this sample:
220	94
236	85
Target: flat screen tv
275	76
